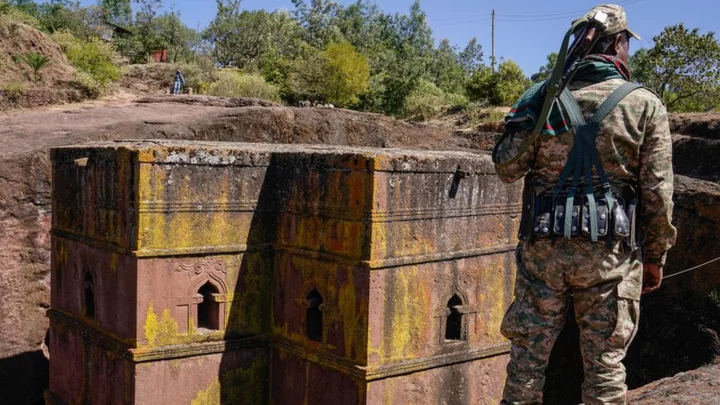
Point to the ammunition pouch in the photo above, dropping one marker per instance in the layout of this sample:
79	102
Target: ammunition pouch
544	216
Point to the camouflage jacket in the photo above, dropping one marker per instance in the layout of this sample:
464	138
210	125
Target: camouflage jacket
635	148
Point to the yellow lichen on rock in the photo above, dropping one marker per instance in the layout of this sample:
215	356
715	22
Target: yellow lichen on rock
151	325
237	387
167	329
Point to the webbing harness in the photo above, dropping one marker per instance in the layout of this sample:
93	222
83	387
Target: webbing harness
584	156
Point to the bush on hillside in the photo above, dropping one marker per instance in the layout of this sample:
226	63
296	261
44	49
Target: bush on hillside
428	101
348	75
199	76
17	15
503	87
92	56
87	84
14	90
36	61
235	84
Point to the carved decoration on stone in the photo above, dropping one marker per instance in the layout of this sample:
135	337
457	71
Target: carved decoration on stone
203	267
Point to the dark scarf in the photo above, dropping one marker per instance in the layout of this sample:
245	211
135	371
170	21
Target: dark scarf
593	69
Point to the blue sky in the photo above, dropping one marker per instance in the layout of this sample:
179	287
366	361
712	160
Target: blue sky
526	30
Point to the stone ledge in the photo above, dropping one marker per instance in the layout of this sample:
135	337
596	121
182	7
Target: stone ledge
203	153
394	261
437	257
389	370
126	351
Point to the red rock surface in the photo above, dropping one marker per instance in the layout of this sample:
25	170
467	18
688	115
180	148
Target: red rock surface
698	387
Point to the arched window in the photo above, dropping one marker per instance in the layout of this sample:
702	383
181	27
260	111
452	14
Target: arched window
89	293
209	308
454	326
314	316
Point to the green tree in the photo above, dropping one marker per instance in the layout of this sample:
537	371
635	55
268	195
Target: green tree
446	71
245	39
481	85
117	11
361	24
61	15
147	29
349	74
307	76
407	58
500	88
471	57
27	6
683	67
428	101
512	82
175	36
320	19
546	70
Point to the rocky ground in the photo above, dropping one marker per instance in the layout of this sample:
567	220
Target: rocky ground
680	324
697	387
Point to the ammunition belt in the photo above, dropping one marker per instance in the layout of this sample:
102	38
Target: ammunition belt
544	216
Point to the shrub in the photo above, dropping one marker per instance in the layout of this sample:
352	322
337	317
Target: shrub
348	75
35	61
87	83
503	87
428	101
235	84
17	15
90	56
199	77
493	121
14	91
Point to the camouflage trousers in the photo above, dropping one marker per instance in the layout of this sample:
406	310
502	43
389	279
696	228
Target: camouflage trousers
605	285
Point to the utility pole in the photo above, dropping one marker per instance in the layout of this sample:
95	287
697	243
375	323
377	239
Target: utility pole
492	58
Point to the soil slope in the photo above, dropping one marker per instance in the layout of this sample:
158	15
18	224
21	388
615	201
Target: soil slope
19	87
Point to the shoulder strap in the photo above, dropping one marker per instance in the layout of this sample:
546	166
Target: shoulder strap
567	100
584	154
613	100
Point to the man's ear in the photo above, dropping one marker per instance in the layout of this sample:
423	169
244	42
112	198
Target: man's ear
617	43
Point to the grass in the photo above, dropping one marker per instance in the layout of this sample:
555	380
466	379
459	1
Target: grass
14	90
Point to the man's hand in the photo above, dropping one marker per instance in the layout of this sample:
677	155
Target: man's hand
652	277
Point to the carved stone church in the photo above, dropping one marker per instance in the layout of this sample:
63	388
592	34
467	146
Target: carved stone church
229	273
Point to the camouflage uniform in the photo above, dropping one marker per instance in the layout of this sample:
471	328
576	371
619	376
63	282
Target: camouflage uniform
604	282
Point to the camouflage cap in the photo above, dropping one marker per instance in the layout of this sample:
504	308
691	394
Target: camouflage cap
616	21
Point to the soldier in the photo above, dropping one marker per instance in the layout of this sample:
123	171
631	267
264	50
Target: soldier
603	273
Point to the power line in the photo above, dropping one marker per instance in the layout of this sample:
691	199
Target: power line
563	14
463	22
444	22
